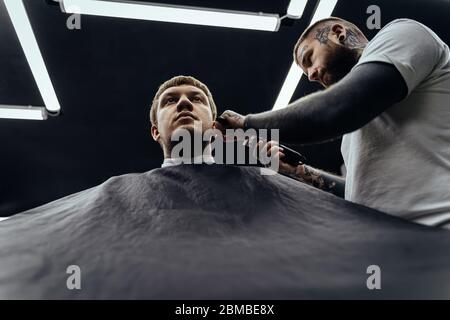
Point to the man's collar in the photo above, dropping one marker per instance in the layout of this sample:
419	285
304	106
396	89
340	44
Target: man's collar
169	162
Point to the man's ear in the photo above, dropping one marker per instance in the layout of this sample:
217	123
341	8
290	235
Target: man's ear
155	133
339	31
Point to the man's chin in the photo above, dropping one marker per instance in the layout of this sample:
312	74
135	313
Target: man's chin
190	127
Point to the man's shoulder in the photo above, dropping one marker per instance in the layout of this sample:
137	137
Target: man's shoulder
401	21
401	36
405	28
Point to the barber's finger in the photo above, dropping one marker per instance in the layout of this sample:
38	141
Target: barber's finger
226	118
235	120
271	144
274	150
271	150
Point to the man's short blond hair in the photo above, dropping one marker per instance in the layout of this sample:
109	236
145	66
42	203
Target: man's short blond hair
176	82
326	21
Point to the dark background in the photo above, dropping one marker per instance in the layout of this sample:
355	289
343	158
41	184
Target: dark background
106	74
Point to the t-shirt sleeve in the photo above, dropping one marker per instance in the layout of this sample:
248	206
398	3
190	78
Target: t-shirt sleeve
407	45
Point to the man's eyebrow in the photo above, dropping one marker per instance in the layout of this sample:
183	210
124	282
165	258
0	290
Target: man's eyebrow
194	91
164	95
302	54
302	57
198	92
169	94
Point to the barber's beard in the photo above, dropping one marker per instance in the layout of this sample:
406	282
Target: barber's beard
340	63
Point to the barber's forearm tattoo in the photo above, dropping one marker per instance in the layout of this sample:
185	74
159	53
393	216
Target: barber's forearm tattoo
311	177
321	180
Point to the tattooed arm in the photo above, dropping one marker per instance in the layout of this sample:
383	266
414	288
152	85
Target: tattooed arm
344	107
314	177
361	95
319	179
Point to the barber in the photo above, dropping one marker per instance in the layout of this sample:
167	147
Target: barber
390	100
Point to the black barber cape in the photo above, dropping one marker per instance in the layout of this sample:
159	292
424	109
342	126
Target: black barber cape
217	232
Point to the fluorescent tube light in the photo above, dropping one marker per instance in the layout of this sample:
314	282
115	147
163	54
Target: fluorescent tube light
296	8
21	23
173	13
20	112
323	10
289	86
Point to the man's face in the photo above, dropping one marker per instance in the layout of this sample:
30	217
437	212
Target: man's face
178	108
324	59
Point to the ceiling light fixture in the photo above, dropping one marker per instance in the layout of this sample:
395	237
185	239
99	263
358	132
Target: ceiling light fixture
173	13
22	26
20	112
296	8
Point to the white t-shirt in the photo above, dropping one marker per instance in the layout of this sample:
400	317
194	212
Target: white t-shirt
399	162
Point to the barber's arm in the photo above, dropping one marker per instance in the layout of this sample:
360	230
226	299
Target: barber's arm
359	97
304	173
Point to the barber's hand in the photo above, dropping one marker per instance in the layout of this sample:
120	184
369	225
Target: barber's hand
270	148
234	120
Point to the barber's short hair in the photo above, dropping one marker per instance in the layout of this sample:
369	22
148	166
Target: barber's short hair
180	81
326	21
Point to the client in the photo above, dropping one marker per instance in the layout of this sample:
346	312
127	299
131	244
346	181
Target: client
211	231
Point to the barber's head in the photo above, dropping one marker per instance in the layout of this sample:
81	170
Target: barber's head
178	104
328	49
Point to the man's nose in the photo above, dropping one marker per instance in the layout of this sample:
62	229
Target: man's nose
184	104
313	74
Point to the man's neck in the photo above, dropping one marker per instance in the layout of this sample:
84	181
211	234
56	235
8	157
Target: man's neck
359	46
206	151
199	159
194	158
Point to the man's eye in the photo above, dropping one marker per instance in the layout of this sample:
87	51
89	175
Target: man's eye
197	99
170	100
307	62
